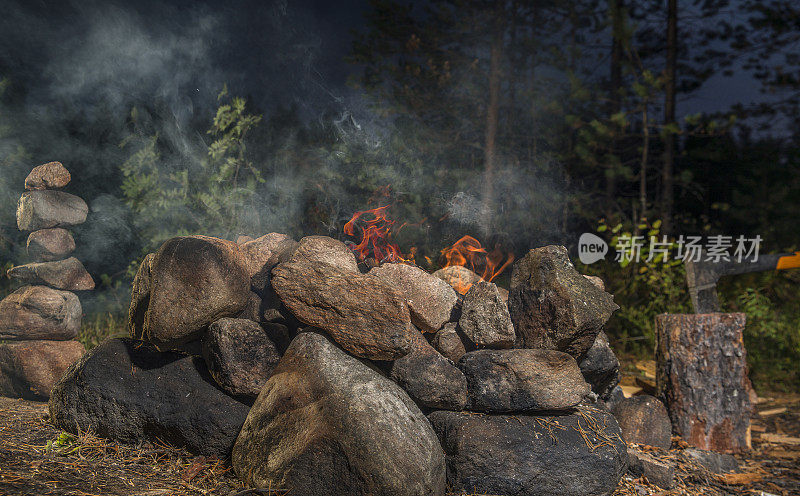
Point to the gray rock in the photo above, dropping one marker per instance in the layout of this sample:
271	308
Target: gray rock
194	280
484	317
52	175
30	369
522	380
644	420
447	342
38	312
68	274
553	306
327	424
240	356
363	315
718	463
45	209
430	379
657	472
47	245
128	391
600	367
430	299
532	456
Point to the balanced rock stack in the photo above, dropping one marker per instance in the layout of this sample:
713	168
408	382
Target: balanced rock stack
44	315
325	377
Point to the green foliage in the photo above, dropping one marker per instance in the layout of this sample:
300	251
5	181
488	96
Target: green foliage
97	327
64	444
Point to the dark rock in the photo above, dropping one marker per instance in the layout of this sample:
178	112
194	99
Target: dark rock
253	310
532	456
68	274
51	175
322	249
430	299
47	245
522	380
38	312
644	420
362	314
615	396
45	209
600	367
29	369
553	306
327	424
657	472
140	298
447	342
484	317
718	463
240	356
194	280
128	391
430	379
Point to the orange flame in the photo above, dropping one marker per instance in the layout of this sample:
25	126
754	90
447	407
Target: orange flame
376	236
469	253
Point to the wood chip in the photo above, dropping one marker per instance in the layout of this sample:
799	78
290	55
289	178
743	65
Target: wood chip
774	411
779	439
758	428
740	479
648	367
629	391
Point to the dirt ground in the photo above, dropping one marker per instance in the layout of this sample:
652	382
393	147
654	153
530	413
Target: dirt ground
37	459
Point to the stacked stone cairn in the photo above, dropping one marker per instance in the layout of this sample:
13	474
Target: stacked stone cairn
314	373
40	320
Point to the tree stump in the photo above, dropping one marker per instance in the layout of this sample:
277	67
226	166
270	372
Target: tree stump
701	375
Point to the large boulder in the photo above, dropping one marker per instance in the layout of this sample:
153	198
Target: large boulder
52	175
128	391
553	306
522	380
47	245
430	379
327	424
577	454
68	274
448	342
45	209
600	367
38	312
30	369
484	317
363	315
430	299
194	280
644	420
240	356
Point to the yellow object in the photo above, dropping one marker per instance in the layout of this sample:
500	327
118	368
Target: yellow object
789	262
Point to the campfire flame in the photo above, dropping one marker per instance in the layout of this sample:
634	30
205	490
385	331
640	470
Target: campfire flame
376	233
469	253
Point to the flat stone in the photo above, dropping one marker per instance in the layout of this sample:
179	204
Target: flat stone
30	369
47	245
240	356
52	175
430	299
447	342
430	379
46	209
484	317
523	455
194	280
644	420
327	424
68	274
553	306
363	315
39	312
522	380
130	392
600	367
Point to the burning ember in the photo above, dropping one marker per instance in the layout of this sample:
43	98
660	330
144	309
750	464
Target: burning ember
469	253
376	233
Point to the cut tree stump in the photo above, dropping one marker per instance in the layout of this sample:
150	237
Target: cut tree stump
701	375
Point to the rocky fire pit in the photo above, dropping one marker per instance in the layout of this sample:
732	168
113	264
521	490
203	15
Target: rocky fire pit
315	375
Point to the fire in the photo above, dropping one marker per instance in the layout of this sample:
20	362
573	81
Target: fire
469	253
376	233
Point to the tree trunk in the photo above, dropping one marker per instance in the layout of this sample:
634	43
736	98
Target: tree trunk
492	115
667	196
701	375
